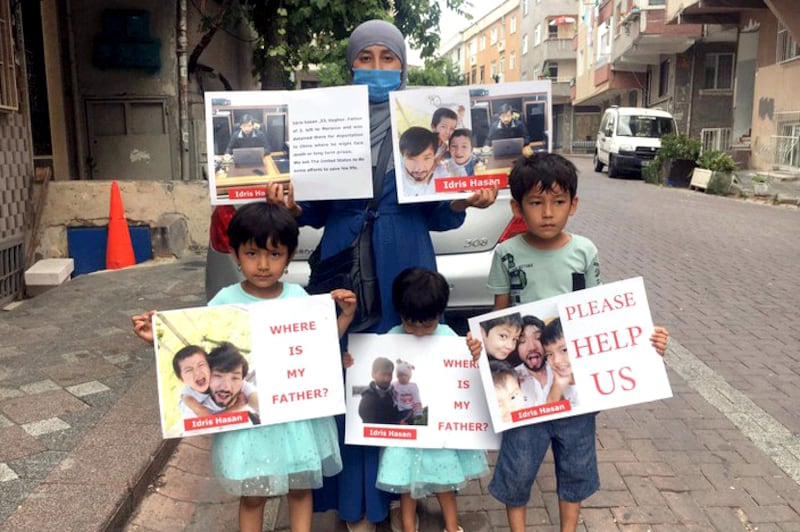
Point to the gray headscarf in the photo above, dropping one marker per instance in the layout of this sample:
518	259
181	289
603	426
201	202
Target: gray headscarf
382	33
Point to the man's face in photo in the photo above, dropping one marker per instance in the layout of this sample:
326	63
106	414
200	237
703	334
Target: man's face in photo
225	386
530	348
420	167
247	128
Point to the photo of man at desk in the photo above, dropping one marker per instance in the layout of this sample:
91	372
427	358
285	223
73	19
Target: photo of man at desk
248	136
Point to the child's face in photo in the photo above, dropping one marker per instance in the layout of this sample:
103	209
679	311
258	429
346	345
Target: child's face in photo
262	268
195	372
383	379
420	167
501	340
545	212
403	378
558	359
420	328
445	128
461	149
509	397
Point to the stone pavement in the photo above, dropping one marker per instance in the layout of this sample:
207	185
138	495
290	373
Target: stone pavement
80	445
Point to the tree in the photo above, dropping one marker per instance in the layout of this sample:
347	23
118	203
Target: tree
437	72
298	33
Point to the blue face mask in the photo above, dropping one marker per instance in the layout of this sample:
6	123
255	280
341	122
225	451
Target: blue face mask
379	82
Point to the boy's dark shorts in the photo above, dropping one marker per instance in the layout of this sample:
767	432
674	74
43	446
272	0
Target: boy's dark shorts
523	449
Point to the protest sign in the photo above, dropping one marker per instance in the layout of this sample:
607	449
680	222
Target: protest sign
597	348
231	367
451	141
256	138
440	405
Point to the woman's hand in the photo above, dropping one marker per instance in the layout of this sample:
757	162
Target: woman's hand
481	199
660	339
143	325
276	195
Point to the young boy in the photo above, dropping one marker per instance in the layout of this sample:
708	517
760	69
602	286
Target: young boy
548	261
555	351
506	388
443	122
500	335
377	401
462	161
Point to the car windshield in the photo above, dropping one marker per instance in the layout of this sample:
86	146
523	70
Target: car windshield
645	126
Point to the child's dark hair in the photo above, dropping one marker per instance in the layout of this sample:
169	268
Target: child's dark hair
501	370
540	172
416	140
183	353
461	132
442	112
263	223
419	294
552	332
226	357
514	320
382	365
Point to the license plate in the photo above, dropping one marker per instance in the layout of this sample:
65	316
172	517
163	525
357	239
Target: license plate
645	163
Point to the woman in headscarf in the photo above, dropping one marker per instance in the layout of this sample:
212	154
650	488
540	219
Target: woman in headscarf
376	54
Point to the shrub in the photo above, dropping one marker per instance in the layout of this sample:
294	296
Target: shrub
679	146
717	161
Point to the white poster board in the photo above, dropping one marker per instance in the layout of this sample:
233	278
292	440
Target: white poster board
289	347
609	361
317	138
451	412
451	141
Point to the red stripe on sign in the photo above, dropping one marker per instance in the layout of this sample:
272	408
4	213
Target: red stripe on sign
541	410
390	433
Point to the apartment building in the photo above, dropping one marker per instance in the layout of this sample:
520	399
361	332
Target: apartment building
547	30
765	68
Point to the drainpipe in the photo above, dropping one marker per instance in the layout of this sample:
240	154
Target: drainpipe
77	98
183	90
691	92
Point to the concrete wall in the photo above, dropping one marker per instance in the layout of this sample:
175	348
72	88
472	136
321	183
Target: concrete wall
86	204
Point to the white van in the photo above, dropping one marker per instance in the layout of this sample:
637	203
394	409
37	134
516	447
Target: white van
629	138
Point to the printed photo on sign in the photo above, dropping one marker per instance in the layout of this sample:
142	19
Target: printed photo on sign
451	141
257	138
568	355
218	372
404	391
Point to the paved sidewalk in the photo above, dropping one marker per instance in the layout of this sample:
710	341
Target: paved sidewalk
80	445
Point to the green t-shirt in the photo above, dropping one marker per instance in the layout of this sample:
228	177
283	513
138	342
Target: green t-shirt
528	274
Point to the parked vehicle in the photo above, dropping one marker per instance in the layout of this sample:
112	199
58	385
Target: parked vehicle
629	138
463	255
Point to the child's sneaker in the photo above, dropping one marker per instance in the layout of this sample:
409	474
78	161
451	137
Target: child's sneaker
396	519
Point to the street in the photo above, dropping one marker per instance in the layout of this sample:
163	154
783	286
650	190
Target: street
722	454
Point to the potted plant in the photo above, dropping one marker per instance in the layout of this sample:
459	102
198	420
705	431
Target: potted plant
713	172
678	156
760	185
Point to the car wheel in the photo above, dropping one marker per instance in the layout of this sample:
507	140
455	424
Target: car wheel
598	165
612	167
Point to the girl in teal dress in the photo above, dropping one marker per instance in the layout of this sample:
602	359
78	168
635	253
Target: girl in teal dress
420	298
286	458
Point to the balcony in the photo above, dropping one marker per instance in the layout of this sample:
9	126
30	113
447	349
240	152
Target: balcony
709	11
555	49
644	37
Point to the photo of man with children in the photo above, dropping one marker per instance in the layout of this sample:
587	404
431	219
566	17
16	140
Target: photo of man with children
391	398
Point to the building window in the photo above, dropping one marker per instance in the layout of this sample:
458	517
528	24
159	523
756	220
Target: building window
512	61
8	76
787	47
718	73
493	70
473	47
663	78
524	7
493	37
656	2
525	44
482	45
552	71
501	65
552	30
537	35
512	26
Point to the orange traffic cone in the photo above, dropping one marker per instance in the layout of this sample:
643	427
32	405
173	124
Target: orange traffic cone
119	249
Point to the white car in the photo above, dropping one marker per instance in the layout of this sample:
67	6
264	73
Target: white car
629	138
463	255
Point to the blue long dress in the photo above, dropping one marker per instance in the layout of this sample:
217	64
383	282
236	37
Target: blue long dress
400	240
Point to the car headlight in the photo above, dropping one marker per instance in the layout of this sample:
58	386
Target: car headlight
627	147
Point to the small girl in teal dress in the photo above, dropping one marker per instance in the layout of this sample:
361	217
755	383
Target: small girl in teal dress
420	298
286	458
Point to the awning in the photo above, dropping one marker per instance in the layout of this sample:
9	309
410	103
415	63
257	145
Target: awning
559	21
